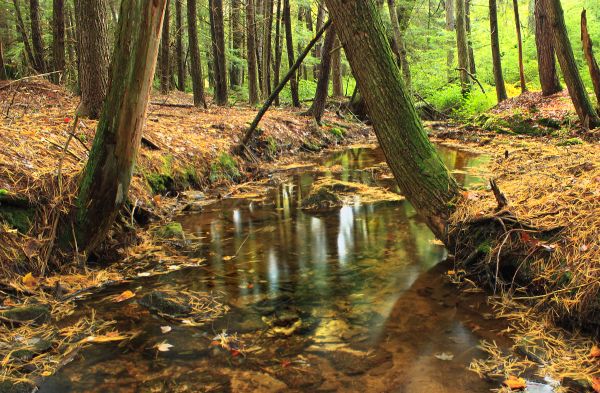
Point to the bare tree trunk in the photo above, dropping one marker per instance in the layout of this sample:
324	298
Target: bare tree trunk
36	35
106	178
564	52
396	34
588	51
2	65
463	46
277	65
165	63
320	20
318	106
496	59
450	26
179	46
267	15
251	53
473	69
71	47
92	41
545	50
218	48
237	41
520	45
336	69
290	51
196	63
23	32
58	39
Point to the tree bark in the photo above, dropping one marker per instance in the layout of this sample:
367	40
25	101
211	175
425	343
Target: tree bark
237	41
106	178
278	54
218	48
318	106
404	11
165	63
2	65
496	59
564	52
472	68
451	27
251	53
92	41
179	46
36	35
195	61
462	45
267	15
396	34
588	51
290	51
545	50
520	46
58	39
336	69
423	178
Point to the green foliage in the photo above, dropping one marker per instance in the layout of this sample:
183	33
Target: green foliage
337	132
224	168
19	218
173	230
570	142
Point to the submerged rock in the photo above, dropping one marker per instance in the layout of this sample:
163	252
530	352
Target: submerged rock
352	362
17	387
320	199
165	304
170	231
35	313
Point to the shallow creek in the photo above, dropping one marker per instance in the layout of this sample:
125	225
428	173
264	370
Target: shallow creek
352	299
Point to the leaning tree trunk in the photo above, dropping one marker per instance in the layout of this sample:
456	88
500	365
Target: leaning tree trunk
520	46
218	48
588	51
251	54
336	69
23	33
58	39
287	16
418	169
107	175
463	46
195	61
165	63
545	50
496	60
179	46
36	35
564	52
318	106
92	41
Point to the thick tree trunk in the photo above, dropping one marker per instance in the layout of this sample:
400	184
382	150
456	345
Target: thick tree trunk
266	48
107	175
287	16
318	106
58	39
336	69
218	48
92	41
520	46
196	63
450	27
496	59
419	171
564	52
588	51
545	50
277	65
251	53
165	61
179	53
237	42
36	35
462	45
473	69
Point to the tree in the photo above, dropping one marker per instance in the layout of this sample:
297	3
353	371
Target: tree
3	75
278	54
318	106
58	38
564	52
218	48
545	50
404	12
588	51
36	35
419	171
496	60
251	53
107	175
520	46
287	16
92	44
463	46
336	68
472	68
237	41
179	46
196	63
450	26
23	33
165	63
267	15
396	35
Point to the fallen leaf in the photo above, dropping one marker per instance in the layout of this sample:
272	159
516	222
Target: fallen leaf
165	329
285	363
163	346
124	296
30	281
228	257
235	352
595	352
112	336
46	373
596	384
515	383
447	356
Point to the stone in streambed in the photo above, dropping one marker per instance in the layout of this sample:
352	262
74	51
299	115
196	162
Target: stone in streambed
163	303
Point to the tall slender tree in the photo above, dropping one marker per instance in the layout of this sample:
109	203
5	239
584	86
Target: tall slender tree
218	50
450	27
588	51
473	68
318	106
36	35
195	61
58	38
237	42
251	53
267	15
165	57
3	75
496	59
24	38
336	68
545	50
520	46
179	53
462	45
287	16
278	51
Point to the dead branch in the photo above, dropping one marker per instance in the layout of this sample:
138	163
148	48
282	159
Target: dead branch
472	77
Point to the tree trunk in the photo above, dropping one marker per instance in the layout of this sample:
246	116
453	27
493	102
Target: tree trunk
451	27
36	35
58	39
588	51
290	51
179	46
218	48
92	41
107	175
23	33
196	63
496	60
320	20
545	50
396	35
336	69
277	65
72	47
267	15
2	65
165	63
520	45
237	41
318	106
419	171
463	46
564	52
404	12
251	53
472	69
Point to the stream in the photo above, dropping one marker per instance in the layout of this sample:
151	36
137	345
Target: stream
352	299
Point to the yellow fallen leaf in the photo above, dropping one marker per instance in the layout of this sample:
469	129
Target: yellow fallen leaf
124	296
228	257
163	346
30	281
595	352
112	336
515	383
46	373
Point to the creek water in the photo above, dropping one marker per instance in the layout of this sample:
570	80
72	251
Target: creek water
351	299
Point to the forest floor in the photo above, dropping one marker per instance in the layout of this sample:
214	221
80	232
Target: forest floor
546	167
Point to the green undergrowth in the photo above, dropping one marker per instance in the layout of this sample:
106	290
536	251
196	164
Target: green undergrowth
224	168
171	177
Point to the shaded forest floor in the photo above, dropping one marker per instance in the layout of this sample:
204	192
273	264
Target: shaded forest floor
546	167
